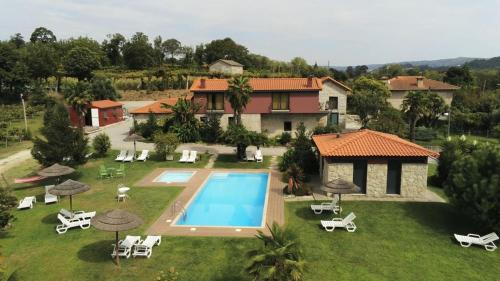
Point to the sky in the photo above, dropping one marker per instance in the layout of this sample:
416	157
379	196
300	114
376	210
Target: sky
348	32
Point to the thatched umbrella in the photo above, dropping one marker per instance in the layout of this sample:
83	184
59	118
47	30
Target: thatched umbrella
115	221
56	170
134	138
340	186
69	187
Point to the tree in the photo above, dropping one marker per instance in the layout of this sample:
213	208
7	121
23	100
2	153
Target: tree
165	144
79	97
113	47
225	49
459	76
172	47
473	185
239	96
101	144
211	129
18	40
101	89
158	51
59	141
7	202
434	107
414	108
42	60
183	121
278	259
389	120
299	66
303	153
368	98
451	150
138	52
80	62
42	35
295	176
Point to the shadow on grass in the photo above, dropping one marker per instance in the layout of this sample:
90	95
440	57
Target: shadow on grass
50	219
230	272
97	252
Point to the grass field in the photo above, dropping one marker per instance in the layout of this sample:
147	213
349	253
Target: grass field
34	125
394	240
229	161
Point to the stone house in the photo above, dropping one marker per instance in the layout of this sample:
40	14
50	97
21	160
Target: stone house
226	66
383	165
276	105
401	85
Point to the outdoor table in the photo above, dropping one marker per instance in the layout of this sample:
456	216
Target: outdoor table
123	189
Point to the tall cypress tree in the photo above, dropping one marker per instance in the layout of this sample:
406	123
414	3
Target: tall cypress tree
61	143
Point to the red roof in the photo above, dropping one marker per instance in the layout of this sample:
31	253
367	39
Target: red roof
409	83
328	78
157	106
260	84
368	143
104	104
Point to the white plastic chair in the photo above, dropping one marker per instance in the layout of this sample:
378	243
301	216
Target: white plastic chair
71	223
145	247
347	223
27	202
329	206
192	156
144	156
121	156
125	246
184	156
50	198
487	241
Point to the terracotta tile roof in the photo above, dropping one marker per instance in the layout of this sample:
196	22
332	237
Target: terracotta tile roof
368	143
260	84
409	83
328	78
104	104
156	107
228	62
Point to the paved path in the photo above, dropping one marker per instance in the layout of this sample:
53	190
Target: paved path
118	131
14	159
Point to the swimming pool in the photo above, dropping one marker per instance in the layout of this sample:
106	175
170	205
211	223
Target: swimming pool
174	176
228	200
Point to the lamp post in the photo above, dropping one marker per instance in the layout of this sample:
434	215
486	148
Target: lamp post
448	114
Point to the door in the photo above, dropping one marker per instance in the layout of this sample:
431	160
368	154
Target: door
95	117
334	119
359	174
394	177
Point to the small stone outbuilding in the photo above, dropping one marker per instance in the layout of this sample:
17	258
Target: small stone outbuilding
227	67
383	165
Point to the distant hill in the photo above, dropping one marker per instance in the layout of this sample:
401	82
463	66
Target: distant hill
485	63
440	63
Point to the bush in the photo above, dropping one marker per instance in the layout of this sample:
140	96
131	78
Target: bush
320	130
285	138
148	128
165	144
101	144
451	151
473	185
211	130
425	134
102	89
7	202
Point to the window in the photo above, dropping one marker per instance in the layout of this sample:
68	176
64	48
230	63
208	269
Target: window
287	126
333	119
215	101
230	120
333	103
203	119
281	101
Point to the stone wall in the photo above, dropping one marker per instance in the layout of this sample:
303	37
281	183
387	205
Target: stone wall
413	179
332	90
251	121
274	122
225	68
376	179
337	170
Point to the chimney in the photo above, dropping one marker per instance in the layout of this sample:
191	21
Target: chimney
202	83
338	135
309	82
420	81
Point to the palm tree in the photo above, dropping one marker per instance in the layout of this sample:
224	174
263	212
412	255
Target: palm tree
295	177
78	97
183	121
414	108
239	95
279	259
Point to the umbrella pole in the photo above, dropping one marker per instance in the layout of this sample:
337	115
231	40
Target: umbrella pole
134	149
340	201
116	249
71	203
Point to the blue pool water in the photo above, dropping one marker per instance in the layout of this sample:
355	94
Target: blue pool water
172	176
228	199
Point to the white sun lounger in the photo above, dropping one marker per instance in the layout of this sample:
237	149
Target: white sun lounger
184	156
258	156
144	156
27	202
487	241
50	198
70	223
330	206
145	247
347	223
249	156
121	156
76	215
125	246
192	156
130	157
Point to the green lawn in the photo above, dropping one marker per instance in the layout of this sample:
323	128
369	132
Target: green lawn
229	161
394	240
439	140
431	171
34	125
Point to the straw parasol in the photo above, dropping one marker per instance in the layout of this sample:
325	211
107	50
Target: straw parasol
133	137
115	221
340	186
56	170
69	187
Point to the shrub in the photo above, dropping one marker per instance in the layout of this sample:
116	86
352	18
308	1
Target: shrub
101	144
285	138
102	88
389	120
425	134
7	202
320	130
148	128
211	130
451	151
473	185
165	144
